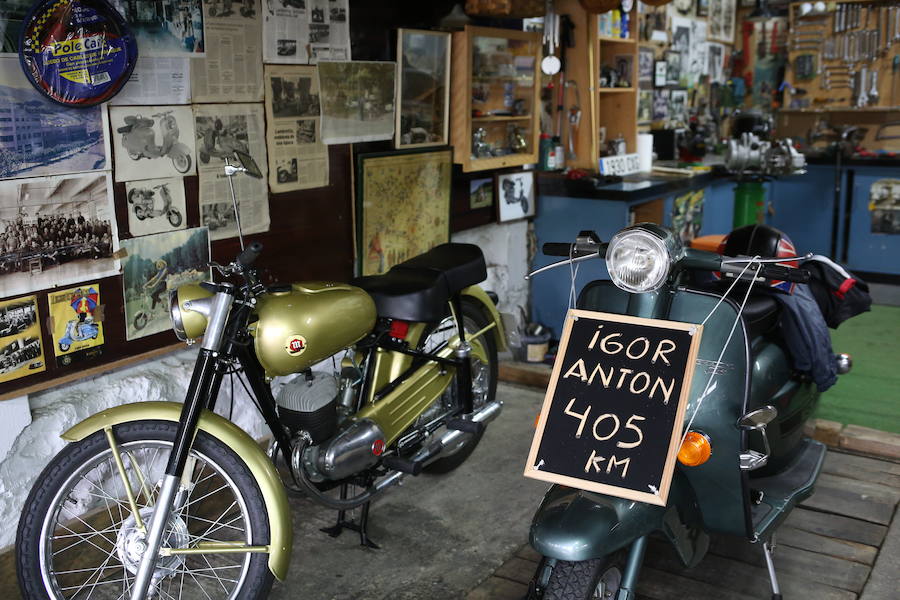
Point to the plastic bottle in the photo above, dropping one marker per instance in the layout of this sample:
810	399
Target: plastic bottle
544	151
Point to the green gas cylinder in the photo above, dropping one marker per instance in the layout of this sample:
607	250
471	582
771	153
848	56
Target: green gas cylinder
749	203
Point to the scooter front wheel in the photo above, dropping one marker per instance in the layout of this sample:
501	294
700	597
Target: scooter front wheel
174	217
182	162
586	579
78	536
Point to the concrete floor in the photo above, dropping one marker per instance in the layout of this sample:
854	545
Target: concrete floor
440	536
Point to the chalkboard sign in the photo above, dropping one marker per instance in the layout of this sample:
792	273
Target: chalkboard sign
612	417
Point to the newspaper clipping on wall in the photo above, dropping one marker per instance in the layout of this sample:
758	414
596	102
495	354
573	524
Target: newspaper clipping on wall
165	27
231	70
306	31
21	352
293	134
224	130
157	81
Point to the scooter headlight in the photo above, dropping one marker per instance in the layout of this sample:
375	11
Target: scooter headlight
188	308
637	260
175	315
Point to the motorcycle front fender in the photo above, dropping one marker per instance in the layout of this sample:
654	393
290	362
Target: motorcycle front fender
576	525
270	485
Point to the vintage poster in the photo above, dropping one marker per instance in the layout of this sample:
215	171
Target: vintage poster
687	215
223	130
699	59
404	202
681	44
21	352
357	101
39	137
293	132
155	265
716	54
165	27
306	31
645	106
230	72
157	81
153	141
76	317
156	206
12	13
481	193
56	231
721	20
884	204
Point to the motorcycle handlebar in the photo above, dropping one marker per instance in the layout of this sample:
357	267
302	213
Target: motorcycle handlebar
250	254
783	273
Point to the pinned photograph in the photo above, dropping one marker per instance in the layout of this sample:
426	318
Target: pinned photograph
481	193
39	137
56	231
660	104
21	352
166	27
357	101
645	106
645	64
424	82
515	196
12	13
155	206
294	96
157	264
152	142
679	106
721	20
76	317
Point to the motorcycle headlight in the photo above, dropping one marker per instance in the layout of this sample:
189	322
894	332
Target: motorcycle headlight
637	260
188	309
175	315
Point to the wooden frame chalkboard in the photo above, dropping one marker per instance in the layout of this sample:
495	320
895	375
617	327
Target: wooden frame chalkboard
613	413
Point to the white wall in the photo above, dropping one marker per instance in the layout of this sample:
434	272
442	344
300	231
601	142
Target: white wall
505	248
55	410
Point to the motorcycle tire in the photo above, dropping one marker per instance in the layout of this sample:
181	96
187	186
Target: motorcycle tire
484	389
64	347
586	579
43	552
174	217
140	320
182	163
524	206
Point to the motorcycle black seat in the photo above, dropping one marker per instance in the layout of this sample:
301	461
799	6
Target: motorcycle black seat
418	289
124	128
761	314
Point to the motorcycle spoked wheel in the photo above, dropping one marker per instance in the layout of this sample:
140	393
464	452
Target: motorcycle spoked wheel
598	578
484	382
80	496
174	217
181	162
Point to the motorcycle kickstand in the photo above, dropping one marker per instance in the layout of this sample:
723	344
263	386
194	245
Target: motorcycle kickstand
342	523
768	549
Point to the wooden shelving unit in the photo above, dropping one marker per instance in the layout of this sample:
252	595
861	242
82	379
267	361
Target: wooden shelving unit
490	67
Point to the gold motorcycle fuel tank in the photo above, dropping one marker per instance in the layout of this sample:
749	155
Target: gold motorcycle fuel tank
298	328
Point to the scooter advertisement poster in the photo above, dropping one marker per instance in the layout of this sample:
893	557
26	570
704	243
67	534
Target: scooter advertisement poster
21	351
76	318
613	414
150	142
155	206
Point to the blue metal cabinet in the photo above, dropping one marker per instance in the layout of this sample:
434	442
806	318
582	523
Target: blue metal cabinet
867	251
803	207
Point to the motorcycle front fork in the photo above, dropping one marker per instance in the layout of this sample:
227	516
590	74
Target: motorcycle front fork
632	569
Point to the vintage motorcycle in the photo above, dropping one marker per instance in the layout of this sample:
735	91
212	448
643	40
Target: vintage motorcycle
144	200
169	499
78	331
744	462
139	140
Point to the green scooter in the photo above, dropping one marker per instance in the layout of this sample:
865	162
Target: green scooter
749	426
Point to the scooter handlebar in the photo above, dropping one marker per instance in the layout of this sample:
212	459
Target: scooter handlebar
783	273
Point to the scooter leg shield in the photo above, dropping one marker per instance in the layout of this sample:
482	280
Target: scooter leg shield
576	525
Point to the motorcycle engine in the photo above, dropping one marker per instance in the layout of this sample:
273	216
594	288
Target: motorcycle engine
310	403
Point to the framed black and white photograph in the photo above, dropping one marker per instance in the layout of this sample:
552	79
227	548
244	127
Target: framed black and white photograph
515	196
721	20
659	77
673	68
150	142
423	81
645	107
660	104
678	103
645	64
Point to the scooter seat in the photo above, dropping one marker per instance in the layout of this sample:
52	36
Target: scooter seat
761	314
419	288
125	128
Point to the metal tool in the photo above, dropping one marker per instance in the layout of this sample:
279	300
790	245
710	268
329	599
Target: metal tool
873	91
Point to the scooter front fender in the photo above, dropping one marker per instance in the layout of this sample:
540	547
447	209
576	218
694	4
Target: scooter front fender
576	525
270	485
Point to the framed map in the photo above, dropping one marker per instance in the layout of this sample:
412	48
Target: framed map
403	206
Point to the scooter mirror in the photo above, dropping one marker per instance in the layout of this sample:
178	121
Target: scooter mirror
758	418
252	169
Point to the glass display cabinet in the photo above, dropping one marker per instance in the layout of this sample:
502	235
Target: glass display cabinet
495	104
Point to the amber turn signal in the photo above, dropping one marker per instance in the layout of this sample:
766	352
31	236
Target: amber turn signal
695	449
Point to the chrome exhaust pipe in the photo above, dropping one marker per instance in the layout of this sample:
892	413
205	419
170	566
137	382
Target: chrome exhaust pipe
485	415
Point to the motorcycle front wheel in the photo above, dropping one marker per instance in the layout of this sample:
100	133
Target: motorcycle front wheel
182	162
599	578
484	381
77	536
140	320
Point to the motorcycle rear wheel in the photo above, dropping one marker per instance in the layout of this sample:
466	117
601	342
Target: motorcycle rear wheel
484	380
80	496
174	217
598	578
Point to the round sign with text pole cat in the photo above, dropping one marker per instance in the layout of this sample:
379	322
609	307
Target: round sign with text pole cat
77	52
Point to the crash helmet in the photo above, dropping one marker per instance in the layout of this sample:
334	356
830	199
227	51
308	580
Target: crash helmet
764	241
160	264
